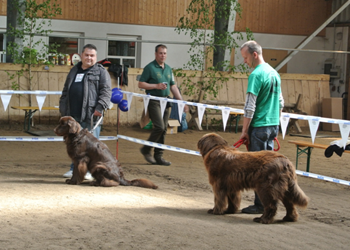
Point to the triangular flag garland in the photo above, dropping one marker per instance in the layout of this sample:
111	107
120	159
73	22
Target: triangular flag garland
40	99
145	103
284	120
163	103
313	121
5	100
313	125
201	109
344	131
225	115
129	98
180	109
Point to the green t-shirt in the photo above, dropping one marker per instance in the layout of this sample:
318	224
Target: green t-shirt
153	73
265	83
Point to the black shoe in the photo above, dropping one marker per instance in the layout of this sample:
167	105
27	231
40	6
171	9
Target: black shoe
148	157
161	161
253	210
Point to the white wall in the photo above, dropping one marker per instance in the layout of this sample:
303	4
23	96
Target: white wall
302	63
311	62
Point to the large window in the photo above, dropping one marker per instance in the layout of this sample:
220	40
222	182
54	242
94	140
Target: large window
123	52
68	43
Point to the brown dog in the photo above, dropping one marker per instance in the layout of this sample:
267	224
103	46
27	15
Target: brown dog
270	174
88	153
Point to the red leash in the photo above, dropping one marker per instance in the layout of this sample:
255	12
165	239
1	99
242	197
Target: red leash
241	141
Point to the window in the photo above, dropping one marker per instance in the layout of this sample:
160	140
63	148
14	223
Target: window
123	52
68	43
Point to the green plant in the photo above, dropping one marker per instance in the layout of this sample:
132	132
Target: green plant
199	22
35	18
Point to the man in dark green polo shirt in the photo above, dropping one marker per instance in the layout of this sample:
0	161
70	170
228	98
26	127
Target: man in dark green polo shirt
157	80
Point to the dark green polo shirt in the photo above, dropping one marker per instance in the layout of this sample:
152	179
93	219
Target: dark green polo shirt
153	73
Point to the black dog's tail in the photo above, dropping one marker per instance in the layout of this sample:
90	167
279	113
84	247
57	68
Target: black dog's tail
139	183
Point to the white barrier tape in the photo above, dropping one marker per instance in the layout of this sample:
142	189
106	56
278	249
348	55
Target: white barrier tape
321	177
49	138
158	145
163	146
186	151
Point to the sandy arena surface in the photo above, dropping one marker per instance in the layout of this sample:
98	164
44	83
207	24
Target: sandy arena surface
39	211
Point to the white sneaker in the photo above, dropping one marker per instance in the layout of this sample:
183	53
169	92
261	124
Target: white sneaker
88	176
69	174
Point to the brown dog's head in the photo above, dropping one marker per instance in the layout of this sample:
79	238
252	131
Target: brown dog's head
209	141
67	125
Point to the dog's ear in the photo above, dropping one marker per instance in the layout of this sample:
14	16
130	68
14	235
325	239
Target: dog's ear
209	141
74	126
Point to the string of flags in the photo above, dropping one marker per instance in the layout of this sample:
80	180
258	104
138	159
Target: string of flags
314	121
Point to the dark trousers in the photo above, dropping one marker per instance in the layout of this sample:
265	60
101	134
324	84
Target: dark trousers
261	138
160	125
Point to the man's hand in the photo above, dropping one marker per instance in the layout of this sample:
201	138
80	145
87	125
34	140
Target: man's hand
96	113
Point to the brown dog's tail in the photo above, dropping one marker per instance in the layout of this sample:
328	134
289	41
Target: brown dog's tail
139	183
299	197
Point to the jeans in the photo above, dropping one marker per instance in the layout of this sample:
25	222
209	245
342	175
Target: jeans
160	127
96	133
262	138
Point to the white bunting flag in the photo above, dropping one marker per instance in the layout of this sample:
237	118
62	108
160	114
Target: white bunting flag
344	131
163	103
180	106
145	103
5	100
129	98
201	109
40	99
225	115
313	125
284	123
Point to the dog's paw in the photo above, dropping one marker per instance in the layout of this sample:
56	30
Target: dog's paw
262	220
69	181
290	219
210	211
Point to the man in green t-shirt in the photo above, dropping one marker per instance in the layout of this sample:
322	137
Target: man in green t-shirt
157	79
264	102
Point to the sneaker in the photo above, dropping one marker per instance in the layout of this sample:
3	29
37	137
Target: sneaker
253	210
69	174
161	161
88	176
148	157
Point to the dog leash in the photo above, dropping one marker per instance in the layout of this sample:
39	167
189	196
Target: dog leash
97	123
241	141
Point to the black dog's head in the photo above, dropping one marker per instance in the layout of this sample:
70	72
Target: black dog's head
67	125
209	141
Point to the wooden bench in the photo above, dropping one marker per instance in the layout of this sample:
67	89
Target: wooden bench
29	113
304	147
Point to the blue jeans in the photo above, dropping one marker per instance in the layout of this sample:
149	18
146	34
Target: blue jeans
96	133
262	138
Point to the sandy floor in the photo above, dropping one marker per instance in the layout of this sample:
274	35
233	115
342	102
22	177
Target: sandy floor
39	211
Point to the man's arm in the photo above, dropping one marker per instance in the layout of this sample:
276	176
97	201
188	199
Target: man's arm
175	90
148	86
104	92
249	110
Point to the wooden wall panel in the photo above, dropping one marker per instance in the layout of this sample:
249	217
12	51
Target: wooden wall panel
296	17
313	87
289	17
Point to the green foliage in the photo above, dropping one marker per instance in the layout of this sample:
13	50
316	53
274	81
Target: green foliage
35	19
199	23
